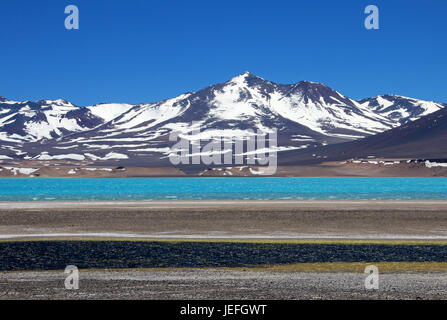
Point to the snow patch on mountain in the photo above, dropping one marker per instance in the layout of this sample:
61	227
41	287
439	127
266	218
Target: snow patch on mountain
430	164
71	156
152	114
24	171
109	111
109	156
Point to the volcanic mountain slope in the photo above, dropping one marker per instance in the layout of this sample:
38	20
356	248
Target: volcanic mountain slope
306	115
425	138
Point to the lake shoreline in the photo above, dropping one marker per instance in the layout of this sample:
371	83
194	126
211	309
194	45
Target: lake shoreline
226	204
331	169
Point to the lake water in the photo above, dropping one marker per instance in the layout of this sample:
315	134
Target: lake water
224	189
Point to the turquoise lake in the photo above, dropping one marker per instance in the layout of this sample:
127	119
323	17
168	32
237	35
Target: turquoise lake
224	189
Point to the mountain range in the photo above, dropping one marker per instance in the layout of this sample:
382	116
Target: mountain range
309	117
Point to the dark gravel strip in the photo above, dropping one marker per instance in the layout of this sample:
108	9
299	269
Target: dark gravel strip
56	255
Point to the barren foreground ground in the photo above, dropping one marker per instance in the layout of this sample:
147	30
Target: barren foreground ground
228	219
221	284
265	221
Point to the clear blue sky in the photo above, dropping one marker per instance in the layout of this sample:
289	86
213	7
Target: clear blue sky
147	50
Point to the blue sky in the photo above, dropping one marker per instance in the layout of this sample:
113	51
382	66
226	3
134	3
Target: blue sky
147	50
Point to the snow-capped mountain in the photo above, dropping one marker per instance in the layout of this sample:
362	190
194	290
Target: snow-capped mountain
23	122
305	114
400	109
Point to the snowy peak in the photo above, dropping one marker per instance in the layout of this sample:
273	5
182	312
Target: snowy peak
241	77
244	76
58	102
45	119
400	109
317	92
